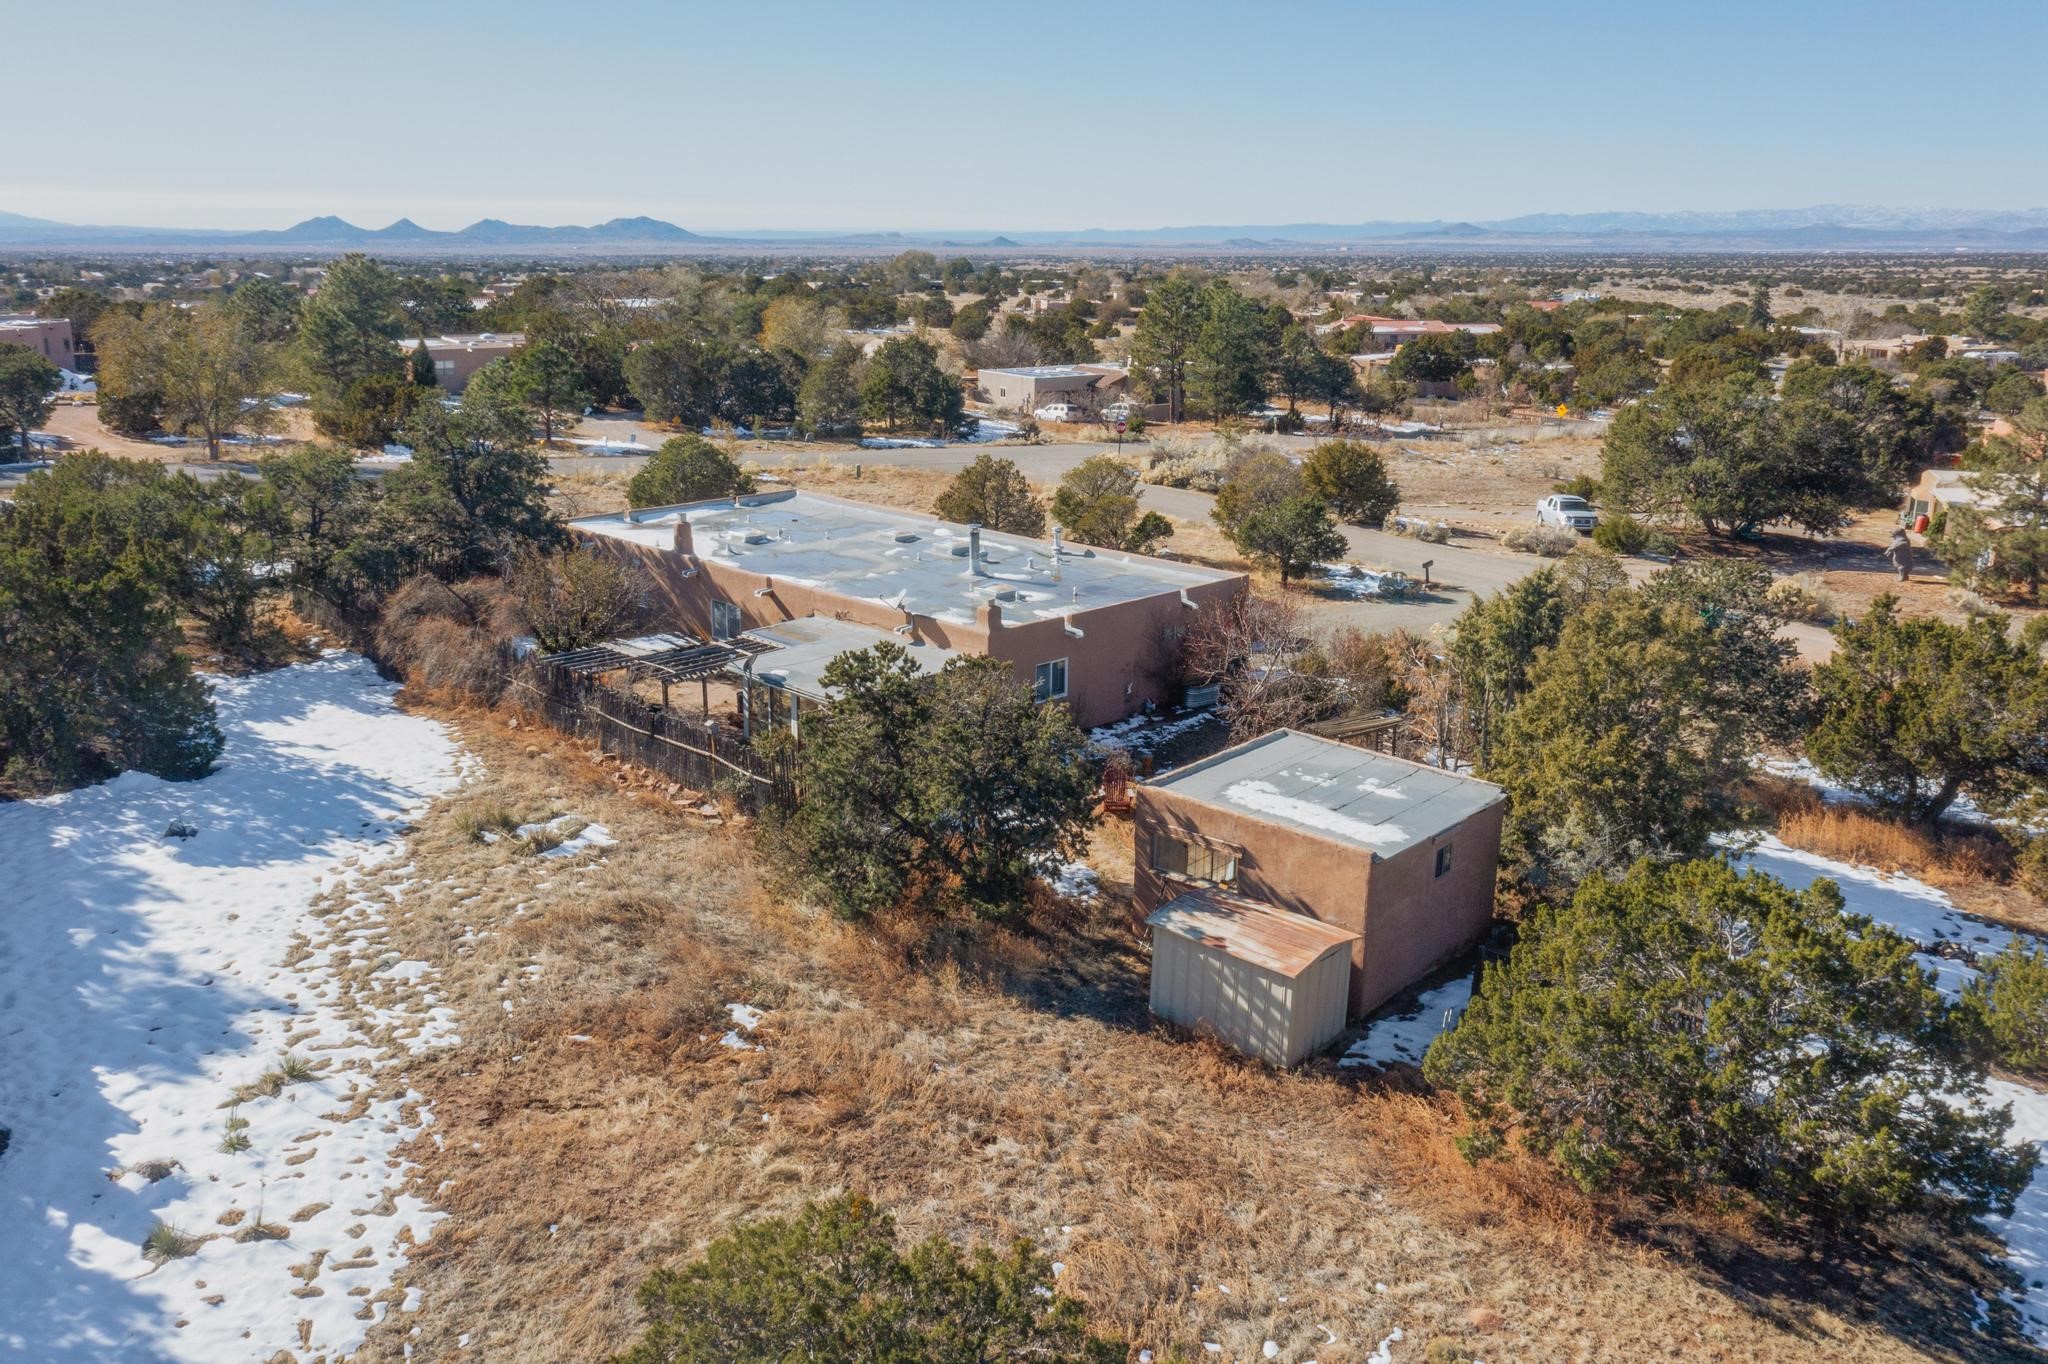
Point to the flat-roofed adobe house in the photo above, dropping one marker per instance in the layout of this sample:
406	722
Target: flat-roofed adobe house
49	337
1026	389
457	358
1087	626
1396	856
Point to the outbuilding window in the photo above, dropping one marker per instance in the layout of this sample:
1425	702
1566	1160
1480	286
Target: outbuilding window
1174	857
725	619
1443	860
1049	681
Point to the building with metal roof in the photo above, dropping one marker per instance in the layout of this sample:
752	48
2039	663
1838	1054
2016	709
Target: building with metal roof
1271	984
1398	853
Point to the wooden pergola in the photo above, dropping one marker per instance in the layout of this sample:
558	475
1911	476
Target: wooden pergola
686	660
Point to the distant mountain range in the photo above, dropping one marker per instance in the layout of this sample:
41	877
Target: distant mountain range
1821	228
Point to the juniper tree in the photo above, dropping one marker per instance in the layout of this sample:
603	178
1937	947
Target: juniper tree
1352	477
1688	1031
91	678
686	469
1097	502
831	1284
1915	712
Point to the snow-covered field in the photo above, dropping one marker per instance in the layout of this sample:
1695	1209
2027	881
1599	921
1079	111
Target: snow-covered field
145	978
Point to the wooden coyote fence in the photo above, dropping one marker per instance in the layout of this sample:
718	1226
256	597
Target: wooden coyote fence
700	756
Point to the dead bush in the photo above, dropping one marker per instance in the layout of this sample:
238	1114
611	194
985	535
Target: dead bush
450	640
1547	541
1802	599
1849	834
577	598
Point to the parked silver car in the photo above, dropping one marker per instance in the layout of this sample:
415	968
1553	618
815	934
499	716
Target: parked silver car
1566	512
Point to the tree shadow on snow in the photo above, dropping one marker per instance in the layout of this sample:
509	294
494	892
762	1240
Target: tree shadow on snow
115	974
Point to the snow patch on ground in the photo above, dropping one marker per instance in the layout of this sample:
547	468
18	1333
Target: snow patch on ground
745	1018
1354	580
576	834
1904	904
1143	733
1075	880
1403	1038
144	979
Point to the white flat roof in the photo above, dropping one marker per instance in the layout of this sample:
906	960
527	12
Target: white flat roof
1320	786
911	561
804	648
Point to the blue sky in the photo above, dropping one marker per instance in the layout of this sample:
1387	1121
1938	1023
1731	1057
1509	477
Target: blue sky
1047	114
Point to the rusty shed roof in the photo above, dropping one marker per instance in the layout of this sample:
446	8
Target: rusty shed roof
1250	930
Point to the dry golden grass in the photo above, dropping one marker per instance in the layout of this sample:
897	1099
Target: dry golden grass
981	1084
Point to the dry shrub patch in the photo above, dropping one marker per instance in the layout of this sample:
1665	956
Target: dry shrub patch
978	1082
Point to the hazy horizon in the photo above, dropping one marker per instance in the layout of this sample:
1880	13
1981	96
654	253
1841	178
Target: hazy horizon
907	115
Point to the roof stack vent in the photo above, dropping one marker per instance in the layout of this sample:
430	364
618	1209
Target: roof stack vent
974	548
1058	536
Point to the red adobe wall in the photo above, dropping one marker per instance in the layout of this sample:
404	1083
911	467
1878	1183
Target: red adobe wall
1112	668
1287	868
1415	920
1408	919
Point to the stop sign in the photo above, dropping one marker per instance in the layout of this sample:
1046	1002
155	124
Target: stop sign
1119	428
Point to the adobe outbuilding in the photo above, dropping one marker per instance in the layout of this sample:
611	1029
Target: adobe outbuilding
1396	856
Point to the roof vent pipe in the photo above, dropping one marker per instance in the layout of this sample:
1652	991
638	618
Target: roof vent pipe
974	548
1059	536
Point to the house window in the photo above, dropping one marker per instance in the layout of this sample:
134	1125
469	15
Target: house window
1173	857
1049	682
725	620
1443	860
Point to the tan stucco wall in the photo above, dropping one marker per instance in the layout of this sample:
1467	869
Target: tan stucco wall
1409	920
1112	669
1414	920
49	337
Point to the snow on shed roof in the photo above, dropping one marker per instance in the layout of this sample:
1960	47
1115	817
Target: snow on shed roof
1250	930
1353	795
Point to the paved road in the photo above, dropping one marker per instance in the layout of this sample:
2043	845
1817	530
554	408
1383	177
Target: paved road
1459	572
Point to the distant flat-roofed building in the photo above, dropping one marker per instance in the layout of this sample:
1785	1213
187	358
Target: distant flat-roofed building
1030	387
1095	628
1391	333
1398	853
49	337
458	357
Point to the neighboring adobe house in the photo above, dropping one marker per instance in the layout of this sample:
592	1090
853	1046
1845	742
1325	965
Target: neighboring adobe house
1936	489
457	358
1400	854
1088	387
1391	333
49	337
1093	627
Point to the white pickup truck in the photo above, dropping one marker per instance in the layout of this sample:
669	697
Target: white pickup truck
1566	512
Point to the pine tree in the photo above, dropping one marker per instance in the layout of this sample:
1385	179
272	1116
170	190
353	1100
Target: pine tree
994	493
